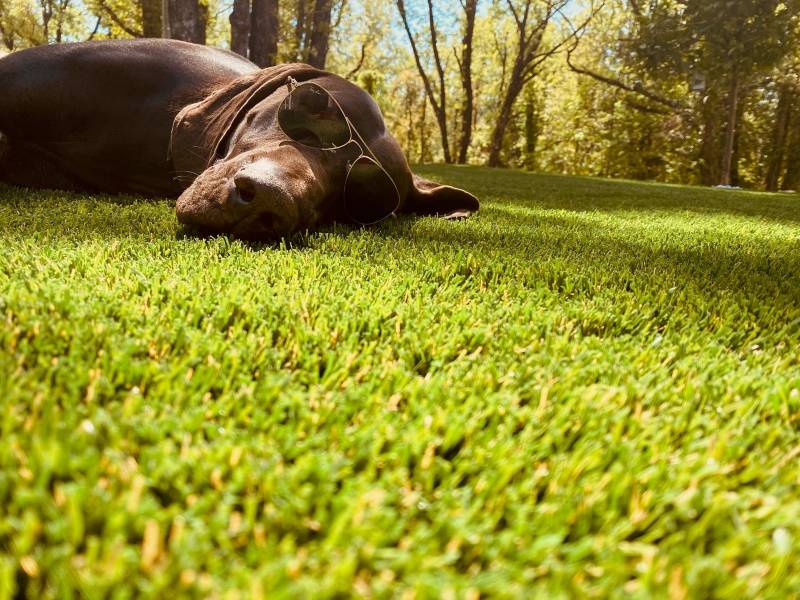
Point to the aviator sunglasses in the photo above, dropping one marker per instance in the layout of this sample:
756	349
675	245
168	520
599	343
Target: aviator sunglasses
311	116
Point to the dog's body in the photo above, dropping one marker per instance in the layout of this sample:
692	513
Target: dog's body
167	118
98	116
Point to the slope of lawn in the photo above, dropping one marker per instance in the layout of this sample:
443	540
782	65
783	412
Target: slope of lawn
591	388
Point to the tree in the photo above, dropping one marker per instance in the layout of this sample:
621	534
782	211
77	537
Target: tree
187	20
782	151
254	30
470	8
312	23
733	41
319	40
436	96
53	14
26	23
152	25
240	27
532	127
726	44
264	32
780	133
530	21
8	30
791	178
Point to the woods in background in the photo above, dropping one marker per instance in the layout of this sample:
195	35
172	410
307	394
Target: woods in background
691	91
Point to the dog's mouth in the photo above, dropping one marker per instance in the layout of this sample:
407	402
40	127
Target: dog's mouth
261	228
206	218
253	199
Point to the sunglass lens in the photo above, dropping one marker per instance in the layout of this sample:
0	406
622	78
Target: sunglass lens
310	116
369	193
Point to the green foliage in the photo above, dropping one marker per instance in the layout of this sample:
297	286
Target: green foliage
25	23
582	125
591	388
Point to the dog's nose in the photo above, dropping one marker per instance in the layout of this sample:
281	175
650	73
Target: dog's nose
267	207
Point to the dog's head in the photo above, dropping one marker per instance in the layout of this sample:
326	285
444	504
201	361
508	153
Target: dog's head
250	179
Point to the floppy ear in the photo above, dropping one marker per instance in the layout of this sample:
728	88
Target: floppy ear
430	198
200	130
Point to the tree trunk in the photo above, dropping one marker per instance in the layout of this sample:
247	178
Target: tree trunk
187	20
62	7
300	33
730	132
7	37
735	179
791	178
777	148
264	33
165	19
709	148
151	18
467	108
47	14
441	119
506	109
240	27
320	33
529	32
531	130
423	132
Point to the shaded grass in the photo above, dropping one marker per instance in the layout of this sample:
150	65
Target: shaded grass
591	388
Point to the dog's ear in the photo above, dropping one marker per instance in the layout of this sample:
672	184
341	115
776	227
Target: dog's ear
427	197
200	131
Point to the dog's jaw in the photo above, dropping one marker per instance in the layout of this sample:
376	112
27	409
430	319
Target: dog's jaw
253	196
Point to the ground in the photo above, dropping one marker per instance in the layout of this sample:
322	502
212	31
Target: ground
591	388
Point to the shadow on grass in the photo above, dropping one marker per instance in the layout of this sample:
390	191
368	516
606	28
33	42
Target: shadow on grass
78	216
768	271
583	194
302	240
763	277
16	197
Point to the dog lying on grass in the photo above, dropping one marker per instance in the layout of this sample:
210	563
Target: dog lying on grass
258	153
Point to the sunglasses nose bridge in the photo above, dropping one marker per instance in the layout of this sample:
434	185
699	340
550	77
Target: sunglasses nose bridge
353	144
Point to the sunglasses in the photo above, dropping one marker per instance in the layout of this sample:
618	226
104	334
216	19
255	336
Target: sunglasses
311	116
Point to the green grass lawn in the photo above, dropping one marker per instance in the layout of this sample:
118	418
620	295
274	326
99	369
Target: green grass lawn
591	388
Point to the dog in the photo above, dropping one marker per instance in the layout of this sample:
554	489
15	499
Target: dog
165	118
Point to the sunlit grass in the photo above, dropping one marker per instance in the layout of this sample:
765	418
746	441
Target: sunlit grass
592	387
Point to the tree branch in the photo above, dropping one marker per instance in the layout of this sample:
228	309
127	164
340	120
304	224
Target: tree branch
514	13
96	28
437	60
360	64
118	21
339	15
425	80
574	36
650	110
637	88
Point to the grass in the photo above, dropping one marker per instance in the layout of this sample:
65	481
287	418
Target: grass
590	389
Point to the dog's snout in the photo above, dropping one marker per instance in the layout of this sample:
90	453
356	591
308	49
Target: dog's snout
266	205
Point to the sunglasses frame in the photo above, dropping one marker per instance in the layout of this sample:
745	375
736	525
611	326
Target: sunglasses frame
355	136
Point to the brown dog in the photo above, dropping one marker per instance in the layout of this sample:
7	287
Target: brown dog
167	118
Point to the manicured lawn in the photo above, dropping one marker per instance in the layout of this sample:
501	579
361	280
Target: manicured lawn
591	388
